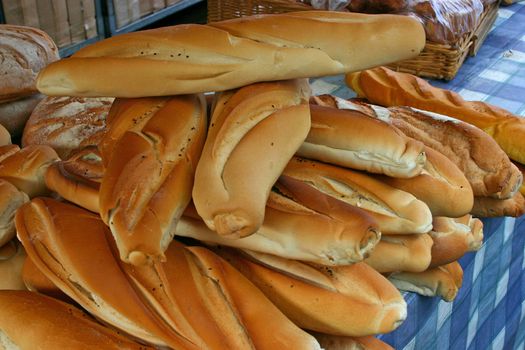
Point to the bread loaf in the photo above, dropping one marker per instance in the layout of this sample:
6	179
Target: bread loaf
401	253
395	211
453	238
78	178
7	151
63	241
14	114
67	124
521	168
26	169
491	207
349	300
149	177
352	139
441	185
36	281
53	325
334	234
12	257
225	55
388	88
25	51
5	136
10	200
443	281
254	131
209	302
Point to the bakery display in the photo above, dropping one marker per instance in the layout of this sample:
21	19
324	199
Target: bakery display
149	175
266	122
67	124
225	55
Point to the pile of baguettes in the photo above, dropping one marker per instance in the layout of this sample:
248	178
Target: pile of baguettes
295	216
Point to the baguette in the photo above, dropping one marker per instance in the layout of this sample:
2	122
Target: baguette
453	238
149	176
388	88
207	300
411	253
441	185
487	207
11	199
349	300
337	234
12	257
485	165
352	139
63	241
443	281
26	169
78	178
395	211
254	131
25	51
54	325
225	55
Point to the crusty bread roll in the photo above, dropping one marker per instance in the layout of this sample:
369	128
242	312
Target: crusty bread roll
5	136
62	240
34	321
254	131
521	168
443	281
10	200
401	253
453	238
352	139
25	51
14	114
220	56
192	301
487	207
12	257
7	151
395	211
441	185
149	177
67	124
334	342
26	169
351	300
209	302
78	178
331	233
388	88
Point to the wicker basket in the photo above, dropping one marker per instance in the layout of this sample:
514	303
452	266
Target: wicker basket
437	61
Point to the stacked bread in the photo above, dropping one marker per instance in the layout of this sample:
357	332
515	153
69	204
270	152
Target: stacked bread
293	211
25	51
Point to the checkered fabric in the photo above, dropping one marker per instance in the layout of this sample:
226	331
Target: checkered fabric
489	311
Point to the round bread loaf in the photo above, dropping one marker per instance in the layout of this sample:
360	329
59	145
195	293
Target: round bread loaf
67	123
24	51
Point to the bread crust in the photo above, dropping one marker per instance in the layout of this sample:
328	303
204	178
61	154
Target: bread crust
225	55
11	199
266	122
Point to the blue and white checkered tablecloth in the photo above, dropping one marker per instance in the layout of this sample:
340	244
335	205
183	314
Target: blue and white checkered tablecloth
489	311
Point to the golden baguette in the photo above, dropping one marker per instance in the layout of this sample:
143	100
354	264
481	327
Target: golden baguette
351	300
254	131
54	325
388	88
149	175
220	56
